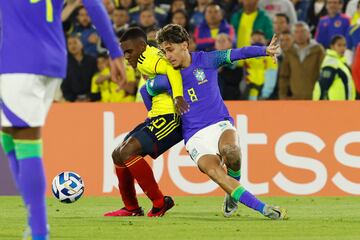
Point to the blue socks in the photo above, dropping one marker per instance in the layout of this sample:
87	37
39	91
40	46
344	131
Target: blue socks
25	159
246	198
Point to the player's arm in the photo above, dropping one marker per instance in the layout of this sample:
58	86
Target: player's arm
147	99
99	17
217	59
175	79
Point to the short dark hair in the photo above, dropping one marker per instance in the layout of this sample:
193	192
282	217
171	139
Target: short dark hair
284	16
336	38
132	34
286	32
172	33
212	4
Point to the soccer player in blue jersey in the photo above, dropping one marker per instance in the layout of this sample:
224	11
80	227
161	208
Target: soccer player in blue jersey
32	64
208	129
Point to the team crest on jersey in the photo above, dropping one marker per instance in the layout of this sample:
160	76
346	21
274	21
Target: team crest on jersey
200	76
337	23
193	154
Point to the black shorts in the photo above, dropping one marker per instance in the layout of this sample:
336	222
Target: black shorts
158	134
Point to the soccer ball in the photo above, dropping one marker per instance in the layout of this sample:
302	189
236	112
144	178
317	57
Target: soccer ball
67	187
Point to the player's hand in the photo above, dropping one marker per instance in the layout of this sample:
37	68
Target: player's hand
273	50
181	106
118	73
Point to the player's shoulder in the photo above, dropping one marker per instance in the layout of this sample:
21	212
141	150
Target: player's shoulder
152	54
198	56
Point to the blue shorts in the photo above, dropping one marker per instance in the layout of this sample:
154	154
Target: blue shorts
158	134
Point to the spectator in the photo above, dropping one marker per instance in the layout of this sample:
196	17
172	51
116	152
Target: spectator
87	31
120	18
160	14
109	6
301	65
317	9
101	83
335	82
177	5
127	4
229	81
81	68
147	20
214	23
197	16
352	11
301	8
229	7
250	19
335	23
281	23
260	73
272	7
151	36
286	42
180	17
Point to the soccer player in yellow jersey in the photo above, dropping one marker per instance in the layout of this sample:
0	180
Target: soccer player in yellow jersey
158	133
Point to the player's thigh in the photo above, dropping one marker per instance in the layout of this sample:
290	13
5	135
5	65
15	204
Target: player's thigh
26	99
165	132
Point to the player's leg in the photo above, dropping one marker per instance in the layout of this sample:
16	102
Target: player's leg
126	183
130	156
8	145
211	165
156	137
25	102
230	152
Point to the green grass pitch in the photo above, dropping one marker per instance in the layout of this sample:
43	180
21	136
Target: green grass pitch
191	218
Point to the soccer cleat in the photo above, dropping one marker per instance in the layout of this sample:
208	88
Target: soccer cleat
159	212
123	212
230	206
275	212
28	236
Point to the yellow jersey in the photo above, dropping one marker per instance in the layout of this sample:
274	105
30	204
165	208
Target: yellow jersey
109	90
151	63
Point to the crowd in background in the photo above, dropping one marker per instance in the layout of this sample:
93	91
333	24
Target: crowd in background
319	60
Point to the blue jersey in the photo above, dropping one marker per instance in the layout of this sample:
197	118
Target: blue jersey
32	40
201	91
331	26
200	86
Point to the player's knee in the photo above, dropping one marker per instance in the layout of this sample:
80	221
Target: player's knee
124	152
232	156
116	156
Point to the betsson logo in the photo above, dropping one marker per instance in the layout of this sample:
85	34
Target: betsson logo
175	161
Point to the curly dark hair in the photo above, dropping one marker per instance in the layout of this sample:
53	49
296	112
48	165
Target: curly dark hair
172	33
